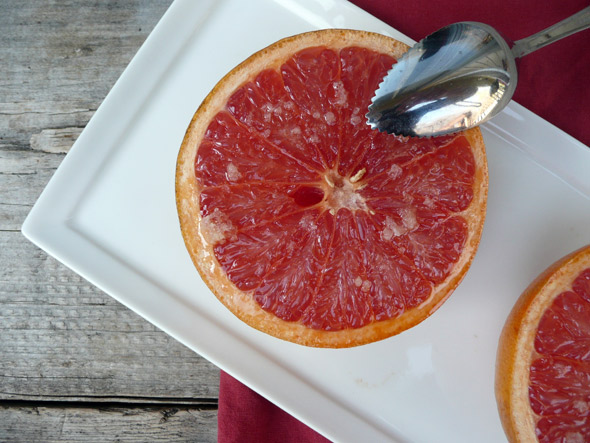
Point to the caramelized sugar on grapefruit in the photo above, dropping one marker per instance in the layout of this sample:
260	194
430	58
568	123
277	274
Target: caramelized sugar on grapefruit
543	363
307	224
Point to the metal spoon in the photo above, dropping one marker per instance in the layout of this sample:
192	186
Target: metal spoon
457	78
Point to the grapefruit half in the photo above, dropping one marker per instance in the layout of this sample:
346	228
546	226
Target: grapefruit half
543	361
303	221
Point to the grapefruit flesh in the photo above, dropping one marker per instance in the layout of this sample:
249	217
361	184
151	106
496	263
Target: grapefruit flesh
543	373
306	223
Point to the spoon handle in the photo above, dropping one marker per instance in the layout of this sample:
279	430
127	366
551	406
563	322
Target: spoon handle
568	26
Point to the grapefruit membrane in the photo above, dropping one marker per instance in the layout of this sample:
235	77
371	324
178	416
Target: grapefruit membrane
303	221
543	360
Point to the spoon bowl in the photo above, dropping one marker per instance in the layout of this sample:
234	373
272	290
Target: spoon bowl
456	78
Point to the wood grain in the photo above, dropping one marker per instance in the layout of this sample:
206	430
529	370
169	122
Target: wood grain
62	337
75	365
91	424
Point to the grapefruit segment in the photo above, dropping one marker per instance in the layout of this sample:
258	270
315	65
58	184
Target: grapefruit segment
307	224
247	205
543	361
400	153
263	105
435	247
231	153
442	179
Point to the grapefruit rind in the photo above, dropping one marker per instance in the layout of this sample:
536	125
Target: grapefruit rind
516	344
201	251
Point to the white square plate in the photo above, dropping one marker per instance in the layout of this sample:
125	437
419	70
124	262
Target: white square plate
109	213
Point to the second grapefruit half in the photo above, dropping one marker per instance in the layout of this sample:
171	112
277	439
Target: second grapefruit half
307	224
543	360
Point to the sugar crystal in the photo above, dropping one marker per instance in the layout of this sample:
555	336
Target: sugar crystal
216	227
232	172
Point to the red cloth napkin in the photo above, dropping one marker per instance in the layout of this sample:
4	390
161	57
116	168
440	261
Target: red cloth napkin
553	83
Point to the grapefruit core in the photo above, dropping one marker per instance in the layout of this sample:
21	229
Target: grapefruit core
303	221
543	361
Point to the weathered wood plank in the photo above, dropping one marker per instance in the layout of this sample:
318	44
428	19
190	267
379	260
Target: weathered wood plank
60	59
90	424
56	141
23	175
62	337
22	122
69	354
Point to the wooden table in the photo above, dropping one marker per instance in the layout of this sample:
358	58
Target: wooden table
75	364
